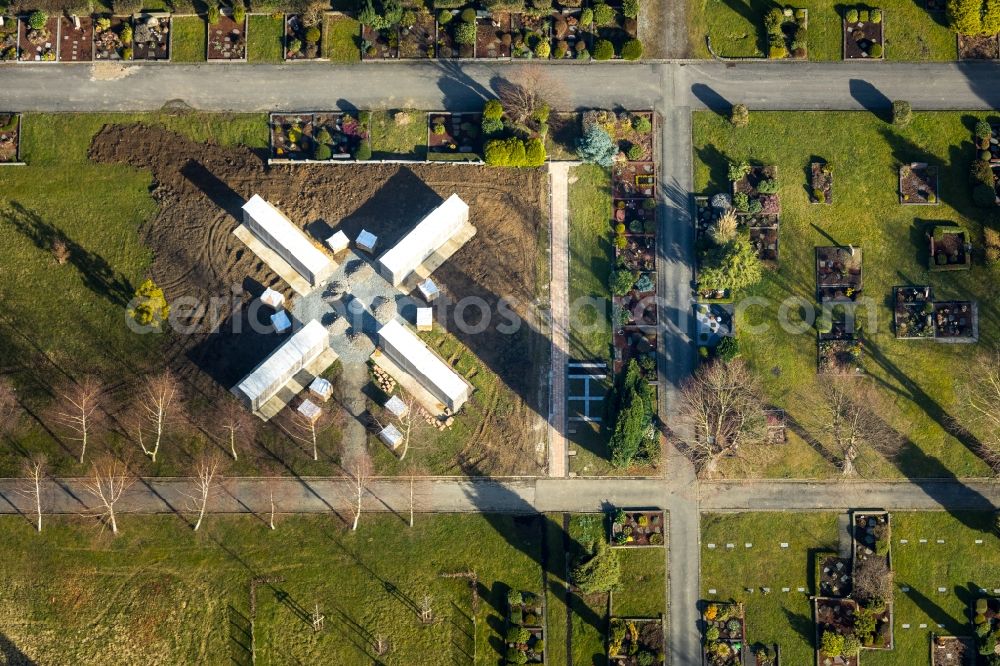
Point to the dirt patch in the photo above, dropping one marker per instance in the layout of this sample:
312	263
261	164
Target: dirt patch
200	188
978	47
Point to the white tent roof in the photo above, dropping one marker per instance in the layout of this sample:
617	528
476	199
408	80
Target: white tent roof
425	318
391	436
286	233
396	406
284	358
309	409
416	352
339	241
424	239
272	298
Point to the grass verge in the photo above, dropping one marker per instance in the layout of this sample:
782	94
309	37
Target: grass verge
188	39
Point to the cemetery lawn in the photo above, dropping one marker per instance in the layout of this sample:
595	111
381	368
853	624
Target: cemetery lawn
166	593
340	41
265	38
736	30
392	139
914	378
188	40
787	617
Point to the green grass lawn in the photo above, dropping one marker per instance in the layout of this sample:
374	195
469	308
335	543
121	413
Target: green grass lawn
399	134
265	38
914	379
786	617
161	593
737	29
643	586
342	35
188	39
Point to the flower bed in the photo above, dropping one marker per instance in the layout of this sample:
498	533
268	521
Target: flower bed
834	623
950	249
380	44
637	254
345	136
291	136
38	44
864	34
10	138
766	655
227	39
76	44
913	313
953	651
303	41
956	321
787	33
833	575
821	183
755	190
637	215
636	641
632	343
632	131
418	40
568	37
725	634
151	37
631	528
838	273
112	38
8	38
454	137
493	38
633	180
985	612
525	638
840	357
978	47
918	184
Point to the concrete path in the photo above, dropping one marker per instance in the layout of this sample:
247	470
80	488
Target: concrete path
559	313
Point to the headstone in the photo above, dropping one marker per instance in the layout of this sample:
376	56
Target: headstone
784	544
786	589
748	545
730	545
711	546
711	590
766	590
904	541
942	589
923	541
801	589
906	626
940	540
904	588
922	625
979	541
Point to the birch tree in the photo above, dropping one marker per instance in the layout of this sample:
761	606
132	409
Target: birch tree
80	408
34	470
303	429
157	409
359	473
977	397
108	481
410	424
236	425
208	469
721	415
847	420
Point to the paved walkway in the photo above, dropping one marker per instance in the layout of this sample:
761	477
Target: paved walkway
559	314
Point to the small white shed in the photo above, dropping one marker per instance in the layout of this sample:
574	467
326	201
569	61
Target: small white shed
280	321
310	410
391	437
338	242
321	389
396	407
366	241
425	319
272	299
428	290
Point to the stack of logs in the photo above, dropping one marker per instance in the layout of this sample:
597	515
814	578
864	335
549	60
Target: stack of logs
382	380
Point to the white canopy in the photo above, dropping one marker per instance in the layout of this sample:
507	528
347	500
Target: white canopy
280	321
271	298
409	352
295	353
396	406
436	229
287	240
391	436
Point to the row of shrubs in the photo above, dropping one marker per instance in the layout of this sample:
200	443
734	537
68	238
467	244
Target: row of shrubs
786	33
854	15
983	180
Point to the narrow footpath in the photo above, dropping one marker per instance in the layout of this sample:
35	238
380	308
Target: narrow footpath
559	308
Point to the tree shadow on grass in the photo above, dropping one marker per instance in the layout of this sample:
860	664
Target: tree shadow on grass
12	654
928	607
718	168
803	625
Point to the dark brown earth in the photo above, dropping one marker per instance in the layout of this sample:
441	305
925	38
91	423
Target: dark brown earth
201	187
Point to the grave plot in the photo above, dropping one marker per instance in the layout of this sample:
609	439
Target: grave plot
303	41
418	41
834	624
953	651
586	389
766	655
864	35
611	29
978	47
725	634
787	33
10	138
566	34
833	575
913	313
631	130
525	638
715	321
638	306
8	38
379	44
839	357
988	146
113	38
638	216
340	136
635	641
151	37
454	137
709	209
956	321
986	620
764	240
632	343
838	273
291	136
918	184
633	528
227	39
633	180
871	534
38	34
755	193
950	249
447	46
493	37
76	39
820	183
530	37
776	426
637	253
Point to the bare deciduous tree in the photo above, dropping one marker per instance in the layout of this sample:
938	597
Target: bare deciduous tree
304	429
720	415
208	469
33	470
410	424
527	89
426	609
158	407
847	418
873	579
317	618
80	409
380	645
359	472
977	395
236	424
108	481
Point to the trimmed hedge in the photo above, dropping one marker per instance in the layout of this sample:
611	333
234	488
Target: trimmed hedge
514	152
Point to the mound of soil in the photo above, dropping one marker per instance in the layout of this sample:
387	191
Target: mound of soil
201	187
